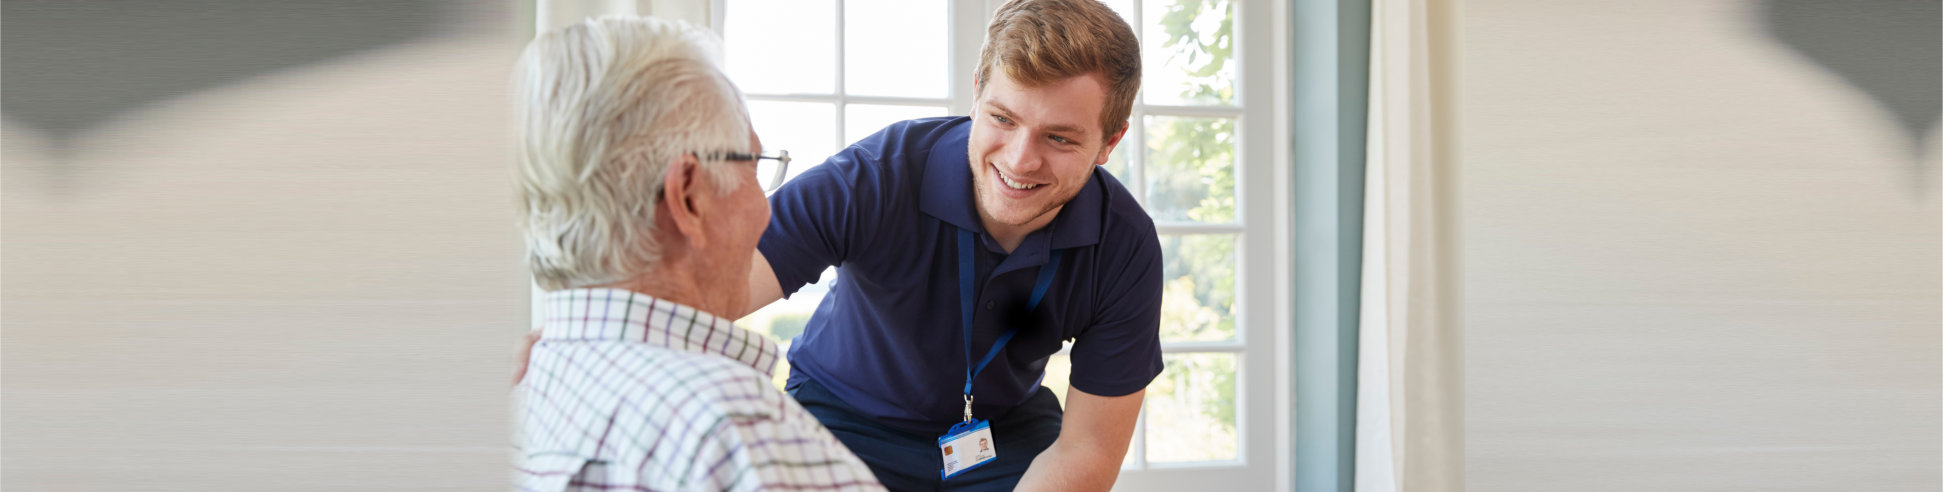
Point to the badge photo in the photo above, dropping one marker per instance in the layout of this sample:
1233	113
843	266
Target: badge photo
966	446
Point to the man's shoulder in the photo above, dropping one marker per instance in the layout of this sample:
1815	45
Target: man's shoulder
717	385
887	168
1123	221
660	383
908	141
923	131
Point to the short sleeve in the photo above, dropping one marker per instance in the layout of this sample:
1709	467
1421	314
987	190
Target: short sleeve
1120	353
815	219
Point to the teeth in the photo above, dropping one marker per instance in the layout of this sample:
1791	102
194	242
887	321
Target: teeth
1015	184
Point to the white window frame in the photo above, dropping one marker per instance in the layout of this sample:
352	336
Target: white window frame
958	98
1261	385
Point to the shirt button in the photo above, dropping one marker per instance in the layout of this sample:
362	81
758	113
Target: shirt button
989	305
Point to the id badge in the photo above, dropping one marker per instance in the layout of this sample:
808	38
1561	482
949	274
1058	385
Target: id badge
966	446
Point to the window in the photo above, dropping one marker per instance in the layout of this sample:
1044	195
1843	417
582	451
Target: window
822	73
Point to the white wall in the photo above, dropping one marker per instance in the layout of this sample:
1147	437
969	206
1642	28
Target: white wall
306	279
1696	259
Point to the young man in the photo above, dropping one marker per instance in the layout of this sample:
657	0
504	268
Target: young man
641	208
968	249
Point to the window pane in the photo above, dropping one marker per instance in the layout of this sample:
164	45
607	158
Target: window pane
766	171
1191	409
1125	9
784	319
895	48
801	128
1188	47
1116	163
862	120
1059	372
1190	170
781	46
1197	301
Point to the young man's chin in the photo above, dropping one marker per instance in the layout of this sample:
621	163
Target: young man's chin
1020	214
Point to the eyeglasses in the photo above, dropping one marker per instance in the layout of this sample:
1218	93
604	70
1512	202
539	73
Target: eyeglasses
770	175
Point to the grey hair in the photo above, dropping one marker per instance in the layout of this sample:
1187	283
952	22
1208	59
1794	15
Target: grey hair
603	107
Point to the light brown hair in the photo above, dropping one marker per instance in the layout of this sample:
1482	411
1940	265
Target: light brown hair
1038	42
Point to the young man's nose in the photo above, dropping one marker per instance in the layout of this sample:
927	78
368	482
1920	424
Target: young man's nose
1023	154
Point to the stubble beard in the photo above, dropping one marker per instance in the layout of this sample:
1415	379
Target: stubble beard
979	189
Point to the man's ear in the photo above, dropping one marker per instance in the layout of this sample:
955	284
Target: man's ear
1111	142
681	189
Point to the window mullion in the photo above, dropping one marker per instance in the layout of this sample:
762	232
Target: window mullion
837	129
1230	346
1195	111
1137	157
815	98
966	21
894	100
1185	228
1137	164
718	17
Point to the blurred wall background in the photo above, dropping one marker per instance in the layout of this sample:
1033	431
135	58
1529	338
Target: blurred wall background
260	245
1702	245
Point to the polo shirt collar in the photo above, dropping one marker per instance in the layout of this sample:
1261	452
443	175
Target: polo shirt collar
948	197
617	315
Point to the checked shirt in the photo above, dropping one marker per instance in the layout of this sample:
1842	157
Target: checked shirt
628	392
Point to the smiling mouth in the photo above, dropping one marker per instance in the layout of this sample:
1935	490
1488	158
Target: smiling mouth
1009	183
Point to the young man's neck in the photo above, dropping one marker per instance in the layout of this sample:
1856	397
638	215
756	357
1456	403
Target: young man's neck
1009	236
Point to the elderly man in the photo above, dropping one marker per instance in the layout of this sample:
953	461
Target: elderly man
641	208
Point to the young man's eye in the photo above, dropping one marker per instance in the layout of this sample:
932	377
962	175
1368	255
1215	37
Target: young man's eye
1060	139
1001	119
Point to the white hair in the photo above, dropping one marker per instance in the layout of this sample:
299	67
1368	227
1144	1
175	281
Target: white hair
604	106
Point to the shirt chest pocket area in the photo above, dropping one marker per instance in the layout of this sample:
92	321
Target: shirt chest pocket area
1042	331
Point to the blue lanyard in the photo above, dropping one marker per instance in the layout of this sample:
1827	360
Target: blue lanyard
969	306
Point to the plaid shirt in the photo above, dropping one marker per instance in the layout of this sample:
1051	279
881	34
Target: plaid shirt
628	392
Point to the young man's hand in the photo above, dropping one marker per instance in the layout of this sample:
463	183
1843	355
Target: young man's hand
525	351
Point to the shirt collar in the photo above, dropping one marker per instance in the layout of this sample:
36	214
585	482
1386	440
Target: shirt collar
619	315
948	196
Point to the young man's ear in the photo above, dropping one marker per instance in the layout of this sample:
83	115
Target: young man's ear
1111	142
681	188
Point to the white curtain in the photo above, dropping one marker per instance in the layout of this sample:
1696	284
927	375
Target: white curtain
1409	427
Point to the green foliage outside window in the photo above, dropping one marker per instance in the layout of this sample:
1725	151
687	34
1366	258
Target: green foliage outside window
785	327
1191	177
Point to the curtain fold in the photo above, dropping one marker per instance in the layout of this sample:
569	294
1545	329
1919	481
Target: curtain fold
1409	427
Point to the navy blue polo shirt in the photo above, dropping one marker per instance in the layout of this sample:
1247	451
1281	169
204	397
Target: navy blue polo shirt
888	338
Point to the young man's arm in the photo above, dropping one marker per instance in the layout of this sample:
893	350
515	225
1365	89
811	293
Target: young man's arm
819	217
763	286
1119	355
1092	442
